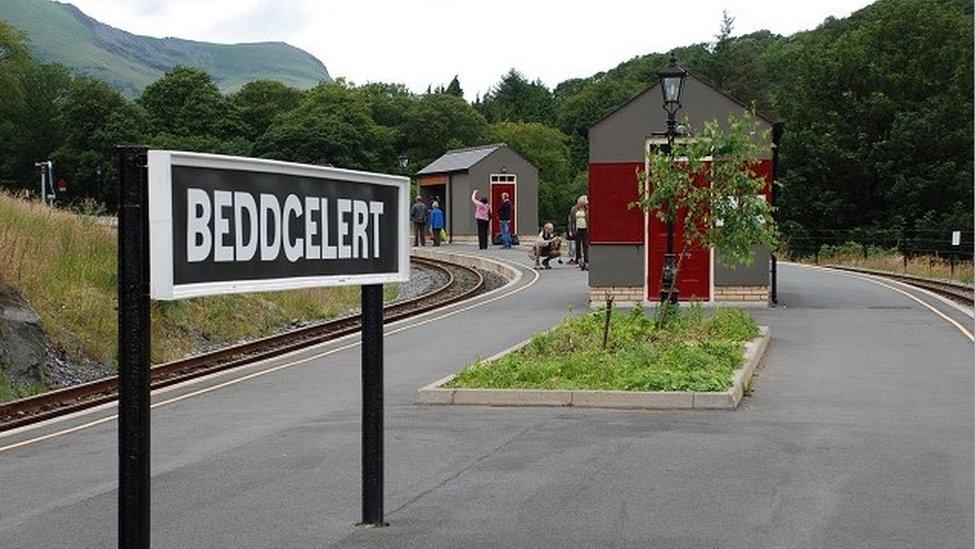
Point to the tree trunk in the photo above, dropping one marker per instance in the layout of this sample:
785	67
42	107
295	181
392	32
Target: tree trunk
606	321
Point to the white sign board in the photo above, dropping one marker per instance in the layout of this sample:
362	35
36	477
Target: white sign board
956	238
222	225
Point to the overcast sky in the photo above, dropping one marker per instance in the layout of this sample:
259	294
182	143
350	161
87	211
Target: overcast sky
422	42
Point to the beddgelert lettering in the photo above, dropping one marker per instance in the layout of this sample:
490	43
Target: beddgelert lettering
334	228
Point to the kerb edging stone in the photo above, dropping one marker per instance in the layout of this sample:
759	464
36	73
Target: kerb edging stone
436	394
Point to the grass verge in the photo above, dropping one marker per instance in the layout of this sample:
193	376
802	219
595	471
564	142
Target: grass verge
66	266
13	391
696	351
880	259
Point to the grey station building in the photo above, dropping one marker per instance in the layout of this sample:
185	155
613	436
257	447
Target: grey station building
492	170
626	245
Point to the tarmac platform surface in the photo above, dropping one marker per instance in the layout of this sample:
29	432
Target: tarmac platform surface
859	433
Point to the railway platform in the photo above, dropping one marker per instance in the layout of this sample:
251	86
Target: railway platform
859	433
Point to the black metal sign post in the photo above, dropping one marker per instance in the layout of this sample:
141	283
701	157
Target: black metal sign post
777	136
195	225
372	372
133	349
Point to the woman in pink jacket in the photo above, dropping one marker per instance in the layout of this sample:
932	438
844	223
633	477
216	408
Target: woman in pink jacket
482	214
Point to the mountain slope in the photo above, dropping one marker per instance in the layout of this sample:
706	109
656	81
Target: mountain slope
64	34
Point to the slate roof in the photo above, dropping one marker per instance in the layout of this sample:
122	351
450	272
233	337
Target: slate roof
459	160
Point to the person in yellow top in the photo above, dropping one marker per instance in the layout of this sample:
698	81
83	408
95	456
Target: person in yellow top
581	218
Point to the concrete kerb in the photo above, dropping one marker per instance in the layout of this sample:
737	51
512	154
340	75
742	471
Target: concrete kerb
436	394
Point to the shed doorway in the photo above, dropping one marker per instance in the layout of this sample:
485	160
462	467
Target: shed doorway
431	191
696	262
503	183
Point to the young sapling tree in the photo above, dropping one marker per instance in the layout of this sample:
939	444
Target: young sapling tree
709	183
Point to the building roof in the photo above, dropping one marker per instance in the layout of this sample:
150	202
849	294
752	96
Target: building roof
657	84
459	160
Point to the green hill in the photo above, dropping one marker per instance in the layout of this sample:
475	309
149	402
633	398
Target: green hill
62	33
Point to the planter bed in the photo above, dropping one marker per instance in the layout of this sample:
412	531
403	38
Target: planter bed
515	387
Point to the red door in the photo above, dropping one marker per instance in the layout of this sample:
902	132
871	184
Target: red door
694	276
497	188
694	262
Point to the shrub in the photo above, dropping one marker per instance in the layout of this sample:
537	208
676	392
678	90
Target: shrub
695	351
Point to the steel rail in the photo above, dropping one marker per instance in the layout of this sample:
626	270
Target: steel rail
18	413
955	291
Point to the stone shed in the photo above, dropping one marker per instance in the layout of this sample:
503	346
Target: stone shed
492	169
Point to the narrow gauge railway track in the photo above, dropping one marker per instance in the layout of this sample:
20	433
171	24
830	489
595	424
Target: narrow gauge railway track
462	282
955	291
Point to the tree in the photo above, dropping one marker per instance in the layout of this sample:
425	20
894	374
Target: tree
719	66
95	119
30	130
717	201
556	198
879	121
543	146
454	88
515	99
439	122
260	101
331	126
391	106
185	101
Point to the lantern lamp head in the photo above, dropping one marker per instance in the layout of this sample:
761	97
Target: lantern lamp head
672	80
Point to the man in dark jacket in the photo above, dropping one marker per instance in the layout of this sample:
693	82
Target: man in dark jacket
418	215
505	221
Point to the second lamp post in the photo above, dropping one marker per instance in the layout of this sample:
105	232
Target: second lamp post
672	80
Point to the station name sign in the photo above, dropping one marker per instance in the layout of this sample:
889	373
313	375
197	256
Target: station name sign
220	225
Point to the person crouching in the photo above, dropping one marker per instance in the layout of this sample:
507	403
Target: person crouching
546	246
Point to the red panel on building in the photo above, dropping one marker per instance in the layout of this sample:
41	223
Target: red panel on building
612	188
764	168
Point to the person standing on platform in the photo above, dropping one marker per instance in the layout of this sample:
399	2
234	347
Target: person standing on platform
482	214
571	235
418	215
505	221
436	222
581	218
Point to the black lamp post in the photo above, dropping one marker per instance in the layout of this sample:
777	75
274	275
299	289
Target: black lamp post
672	80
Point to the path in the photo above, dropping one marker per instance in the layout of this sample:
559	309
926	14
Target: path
860	433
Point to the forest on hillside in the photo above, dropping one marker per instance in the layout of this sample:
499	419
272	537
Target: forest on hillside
877	109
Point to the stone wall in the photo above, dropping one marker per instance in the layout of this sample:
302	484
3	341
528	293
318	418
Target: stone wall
622	295
752	294
629	295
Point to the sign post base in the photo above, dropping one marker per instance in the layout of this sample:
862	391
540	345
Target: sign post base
372	373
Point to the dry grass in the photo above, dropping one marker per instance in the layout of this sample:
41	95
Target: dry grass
929	267
65	264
